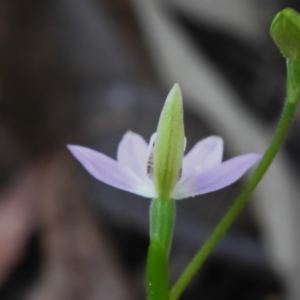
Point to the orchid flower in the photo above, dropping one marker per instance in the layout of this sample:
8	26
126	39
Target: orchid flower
141	168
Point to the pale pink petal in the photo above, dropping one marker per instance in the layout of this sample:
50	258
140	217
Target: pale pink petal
204	155
132	153
110	172
216	178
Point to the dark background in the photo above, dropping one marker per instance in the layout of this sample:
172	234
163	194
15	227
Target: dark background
81	72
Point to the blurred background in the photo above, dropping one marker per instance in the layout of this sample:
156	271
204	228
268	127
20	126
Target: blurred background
85	72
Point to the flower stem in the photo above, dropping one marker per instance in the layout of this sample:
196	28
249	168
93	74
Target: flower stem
162	217
238	205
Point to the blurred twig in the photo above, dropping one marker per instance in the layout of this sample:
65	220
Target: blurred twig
78	262
16	221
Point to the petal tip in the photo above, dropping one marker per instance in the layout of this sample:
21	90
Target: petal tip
256	157
72	148
129	132
218	139
214	139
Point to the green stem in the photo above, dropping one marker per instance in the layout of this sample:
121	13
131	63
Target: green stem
238	205
293	86
162	217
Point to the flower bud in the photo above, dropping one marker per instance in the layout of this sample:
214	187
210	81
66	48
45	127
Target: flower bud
169	144
285	31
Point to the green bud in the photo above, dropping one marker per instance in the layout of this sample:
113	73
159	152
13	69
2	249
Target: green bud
285	31
169	144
